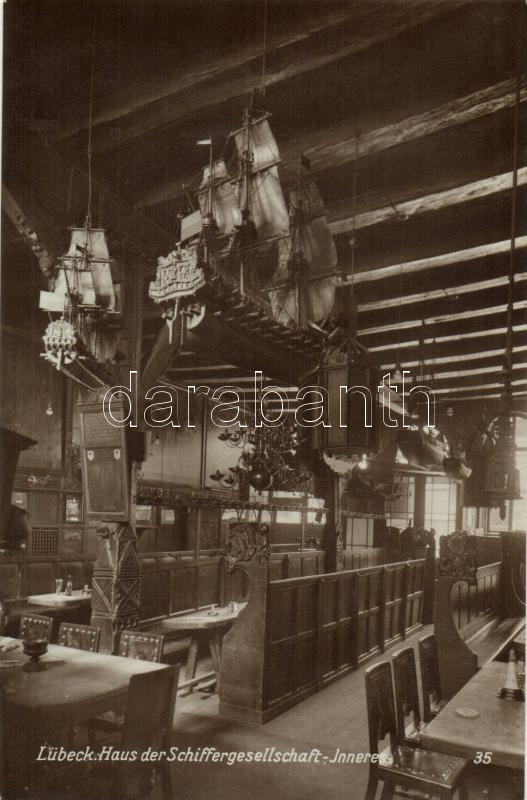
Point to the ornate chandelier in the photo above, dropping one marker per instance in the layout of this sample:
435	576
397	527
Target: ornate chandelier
268	458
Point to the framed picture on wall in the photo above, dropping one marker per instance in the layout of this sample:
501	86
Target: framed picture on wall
168	516
19	499
73	508
144	515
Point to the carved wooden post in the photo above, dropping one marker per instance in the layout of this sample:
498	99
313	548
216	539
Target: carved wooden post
245	647
116	583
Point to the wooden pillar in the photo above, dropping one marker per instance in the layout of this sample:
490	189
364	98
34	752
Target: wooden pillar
332	543
419	504
116	583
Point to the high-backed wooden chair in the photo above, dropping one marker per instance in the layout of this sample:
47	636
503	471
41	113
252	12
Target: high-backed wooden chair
132	644
147	724
81	637
433	700
400	767
137	644
407	710
35	626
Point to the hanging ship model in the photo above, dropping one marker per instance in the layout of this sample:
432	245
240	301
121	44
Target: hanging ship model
84	308
278	253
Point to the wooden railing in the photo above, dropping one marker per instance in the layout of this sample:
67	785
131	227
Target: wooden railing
318	628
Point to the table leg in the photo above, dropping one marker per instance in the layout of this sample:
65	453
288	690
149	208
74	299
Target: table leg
215	651
192	662
192	659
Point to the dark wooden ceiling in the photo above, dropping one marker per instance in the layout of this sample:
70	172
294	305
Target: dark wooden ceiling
413	101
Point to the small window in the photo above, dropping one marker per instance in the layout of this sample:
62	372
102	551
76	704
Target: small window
440	505
288	517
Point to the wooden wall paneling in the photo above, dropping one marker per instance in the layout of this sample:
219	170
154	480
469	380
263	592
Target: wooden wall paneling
282	623
306	639
316	628
278	568
183	586
394	588
415	571
39	578
311	564
9	580
345	610
208	577
329	624
155	587
369	608
294	566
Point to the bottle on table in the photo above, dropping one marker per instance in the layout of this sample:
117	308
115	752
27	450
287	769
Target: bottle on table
69	587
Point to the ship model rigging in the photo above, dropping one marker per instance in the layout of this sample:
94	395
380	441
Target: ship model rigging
279	253
83	301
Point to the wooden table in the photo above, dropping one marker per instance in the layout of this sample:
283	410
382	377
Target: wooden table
76	686
39	707
202	625
499	729
52	600
75	608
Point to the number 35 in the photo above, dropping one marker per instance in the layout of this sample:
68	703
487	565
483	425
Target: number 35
483	758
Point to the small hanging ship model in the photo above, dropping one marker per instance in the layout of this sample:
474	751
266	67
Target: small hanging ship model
84	303
279	254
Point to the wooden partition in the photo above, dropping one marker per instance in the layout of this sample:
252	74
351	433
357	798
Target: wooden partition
320	627
360	557
172	583
296	564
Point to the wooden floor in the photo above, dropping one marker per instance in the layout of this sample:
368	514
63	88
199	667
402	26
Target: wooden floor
334	718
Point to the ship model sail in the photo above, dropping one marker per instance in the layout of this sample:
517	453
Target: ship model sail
83	302
275	246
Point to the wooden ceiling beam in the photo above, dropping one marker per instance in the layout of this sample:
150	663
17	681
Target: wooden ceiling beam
495	383
469	360
490	394
123	103
335	147
456	112
432	310
439	294
436	262
204	86
434	201
492	365
442	318
464	339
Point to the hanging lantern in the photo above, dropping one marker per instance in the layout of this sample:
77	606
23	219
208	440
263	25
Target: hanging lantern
60	341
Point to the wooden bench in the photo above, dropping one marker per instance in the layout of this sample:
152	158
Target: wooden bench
474	617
